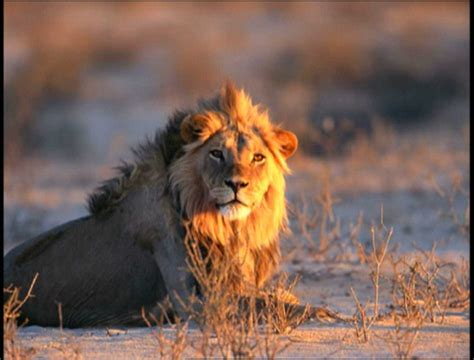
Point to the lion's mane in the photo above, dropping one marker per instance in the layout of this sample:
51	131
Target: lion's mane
167	155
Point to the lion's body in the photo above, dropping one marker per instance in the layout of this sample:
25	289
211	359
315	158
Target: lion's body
95	287
129	252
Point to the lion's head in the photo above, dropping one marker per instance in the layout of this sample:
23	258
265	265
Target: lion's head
231	177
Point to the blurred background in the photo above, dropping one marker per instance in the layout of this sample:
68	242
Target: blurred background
84	81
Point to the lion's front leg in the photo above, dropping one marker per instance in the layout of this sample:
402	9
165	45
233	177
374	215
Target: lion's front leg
284	316
170	256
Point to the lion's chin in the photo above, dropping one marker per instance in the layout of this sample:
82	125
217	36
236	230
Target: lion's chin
234	211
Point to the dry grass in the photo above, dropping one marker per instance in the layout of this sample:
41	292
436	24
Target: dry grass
422	289
361	320
11	312
317	225
67	346
169	348
354	236
278	316
425	287
238	324
422	286
402	339
449	194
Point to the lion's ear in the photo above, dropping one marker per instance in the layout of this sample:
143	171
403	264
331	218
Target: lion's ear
287	140
196	127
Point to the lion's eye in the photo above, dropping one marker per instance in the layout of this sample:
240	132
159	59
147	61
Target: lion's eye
217	154
258	158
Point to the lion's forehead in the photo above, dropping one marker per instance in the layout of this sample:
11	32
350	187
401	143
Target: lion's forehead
239	142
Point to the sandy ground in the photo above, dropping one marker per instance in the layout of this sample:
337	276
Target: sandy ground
450	341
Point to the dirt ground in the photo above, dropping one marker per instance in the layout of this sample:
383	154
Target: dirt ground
450	341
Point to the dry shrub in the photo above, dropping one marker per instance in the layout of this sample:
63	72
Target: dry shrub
236	322
354	236
11	312
329	230
448	194
317	224
422	289
401	341
13	349
174	347
425	287
278	315
361	320
458	289
306	219
67	345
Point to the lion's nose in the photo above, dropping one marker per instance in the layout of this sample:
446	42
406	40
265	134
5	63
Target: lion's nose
236	185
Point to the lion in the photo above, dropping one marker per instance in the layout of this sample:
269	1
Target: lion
215	174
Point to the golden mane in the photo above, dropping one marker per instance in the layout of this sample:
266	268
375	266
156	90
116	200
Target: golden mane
257	235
